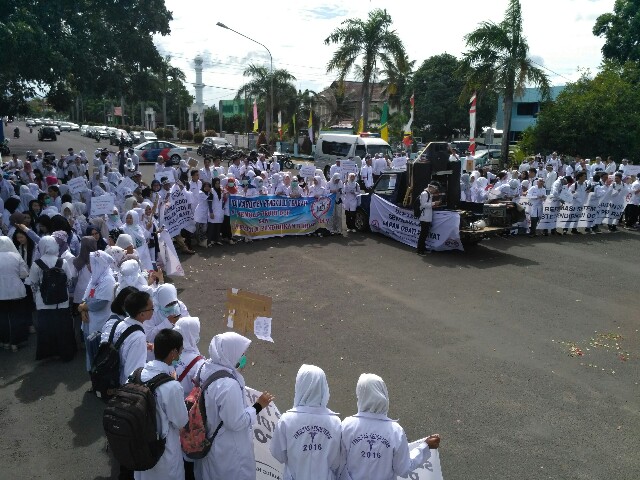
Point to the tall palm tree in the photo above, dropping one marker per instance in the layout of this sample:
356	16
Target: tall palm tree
339	103
498	55
370	41
397	76
260	83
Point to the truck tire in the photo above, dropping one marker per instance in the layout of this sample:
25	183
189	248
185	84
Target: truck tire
362	221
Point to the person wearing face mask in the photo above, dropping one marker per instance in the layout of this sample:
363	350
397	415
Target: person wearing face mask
113	220
171	412
296	190
168	310
140	237
231	456
315	453
373	445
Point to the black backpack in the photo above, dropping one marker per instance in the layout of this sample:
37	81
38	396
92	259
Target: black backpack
129	422
105	371
53	287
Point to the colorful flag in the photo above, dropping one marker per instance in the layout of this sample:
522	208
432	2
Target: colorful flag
255	116
407	140
384	125
310	125
280	124
472	121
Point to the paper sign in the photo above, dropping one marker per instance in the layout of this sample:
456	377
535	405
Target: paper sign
399	163
348	166
102	205
307	171
631	170
160	175
125	184
77	185
244	307
267	467
469	165
262	329
430	469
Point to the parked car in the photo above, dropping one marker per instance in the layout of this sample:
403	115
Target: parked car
102	131
47	132
65	127
119	136
146	136
31	122
209	144
148	151
135	136
83	130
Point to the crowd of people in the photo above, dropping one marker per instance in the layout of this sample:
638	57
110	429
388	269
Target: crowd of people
79	281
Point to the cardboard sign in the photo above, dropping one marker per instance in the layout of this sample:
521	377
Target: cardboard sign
307	171
77	185
125	184
348	166
244	307
102	205
178	214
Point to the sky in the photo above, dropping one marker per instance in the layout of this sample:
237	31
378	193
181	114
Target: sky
559	34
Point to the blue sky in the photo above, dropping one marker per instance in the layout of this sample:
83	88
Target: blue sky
559	35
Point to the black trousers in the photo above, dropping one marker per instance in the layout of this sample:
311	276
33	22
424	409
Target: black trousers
213	231
425	227
351	219
187	235
631	215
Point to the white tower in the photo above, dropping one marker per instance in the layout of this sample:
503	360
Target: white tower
197	109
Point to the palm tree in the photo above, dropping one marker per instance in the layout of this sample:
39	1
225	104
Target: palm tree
370	41
397	77
260	84
338	102
498	58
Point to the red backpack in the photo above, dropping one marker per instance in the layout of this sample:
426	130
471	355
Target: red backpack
193	437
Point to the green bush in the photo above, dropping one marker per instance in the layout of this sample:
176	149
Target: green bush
210	133
185	135
168	134
159	133
198	137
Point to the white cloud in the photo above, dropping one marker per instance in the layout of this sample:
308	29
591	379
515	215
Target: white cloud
295	33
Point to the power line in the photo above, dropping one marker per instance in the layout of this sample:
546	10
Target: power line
555	73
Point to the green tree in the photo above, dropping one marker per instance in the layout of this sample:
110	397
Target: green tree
498	55
397	78
369	42
591	116
338	102
621	31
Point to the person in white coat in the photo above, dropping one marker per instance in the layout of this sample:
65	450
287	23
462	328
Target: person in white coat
140	236
231	456
167	310
335	186
350	192
55	324
14	307
96	307
536	195
190	360
373	445
427	202
171	412
215	214
307	437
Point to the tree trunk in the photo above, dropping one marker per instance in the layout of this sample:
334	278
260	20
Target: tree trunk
507	105
365	101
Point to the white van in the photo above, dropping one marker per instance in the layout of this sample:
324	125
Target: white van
336	146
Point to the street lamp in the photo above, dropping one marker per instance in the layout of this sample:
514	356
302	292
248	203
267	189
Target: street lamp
270	114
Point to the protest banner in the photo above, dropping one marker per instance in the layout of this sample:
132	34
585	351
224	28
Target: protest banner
126	184
271	216
430	469
399	163
102	205
401	225
244	307
307	171
168	257
585	213
77	185
178	214
631	170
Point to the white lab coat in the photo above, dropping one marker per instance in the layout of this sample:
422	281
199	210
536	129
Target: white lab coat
189	328
350	191
216	209
307	437
49	249
426	207
171	416
231	456
14	269
133	352
536	196
366	174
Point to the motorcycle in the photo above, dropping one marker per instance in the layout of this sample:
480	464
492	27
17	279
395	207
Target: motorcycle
16	132
4	147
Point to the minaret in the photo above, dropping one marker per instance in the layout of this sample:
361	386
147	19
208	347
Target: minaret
198	107
198	85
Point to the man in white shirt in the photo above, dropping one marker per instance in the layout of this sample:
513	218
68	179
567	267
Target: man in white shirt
366	174
235	169
166	171
217	168
610	166
379	165
335	168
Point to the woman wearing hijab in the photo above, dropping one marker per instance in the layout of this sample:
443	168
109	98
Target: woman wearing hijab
131	276
125	242
374	446
26	175
94	232
190	359
59	222
316	190
231	455
335	186
314	454
201	213
25	198
96	307
167	311
133	228
14	309
82	269
54	325
80	225
350	192
479	194
215	214
225	229
113	220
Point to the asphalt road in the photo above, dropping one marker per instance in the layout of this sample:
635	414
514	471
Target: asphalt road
474	346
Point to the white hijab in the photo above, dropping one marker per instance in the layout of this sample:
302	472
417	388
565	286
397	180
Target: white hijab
189	328
102	282
225	350
135	229
312	389
7	246
372	394
48	248
131	276
165	294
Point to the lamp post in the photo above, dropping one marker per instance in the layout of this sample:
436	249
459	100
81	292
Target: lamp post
270	113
